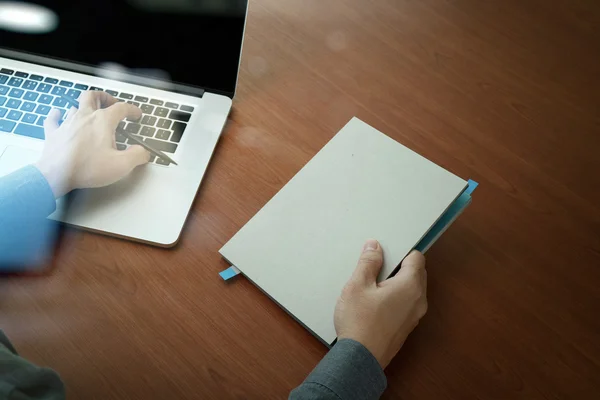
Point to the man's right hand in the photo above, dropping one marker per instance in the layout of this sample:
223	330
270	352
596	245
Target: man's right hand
380	316
82	152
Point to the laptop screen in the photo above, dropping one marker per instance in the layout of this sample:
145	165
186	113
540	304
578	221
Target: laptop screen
187	42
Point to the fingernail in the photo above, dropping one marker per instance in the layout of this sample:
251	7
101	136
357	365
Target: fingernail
371	244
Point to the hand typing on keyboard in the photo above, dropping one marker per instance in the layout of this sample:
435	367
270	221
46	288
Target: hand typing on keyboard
81	152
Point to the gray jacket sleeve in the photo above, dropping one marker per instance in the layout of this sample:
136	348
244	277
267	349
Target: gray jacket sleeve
21	380
349	371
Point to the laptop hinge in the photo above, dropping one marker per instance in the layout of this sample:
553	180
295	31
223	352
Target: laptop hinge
107	73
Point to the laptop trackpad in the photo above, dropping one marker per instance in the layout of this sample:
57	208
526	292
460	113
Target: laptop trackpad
15	157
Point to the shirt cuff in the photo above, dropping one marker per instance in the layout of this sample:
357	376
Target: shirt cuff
350	371
29	188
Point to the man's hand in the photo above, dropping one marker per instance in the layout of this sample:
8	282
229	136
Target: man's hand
381	316
82	152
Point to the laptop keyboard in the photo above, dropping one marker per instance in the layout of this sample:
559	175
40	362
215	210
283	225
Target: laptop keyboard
26	99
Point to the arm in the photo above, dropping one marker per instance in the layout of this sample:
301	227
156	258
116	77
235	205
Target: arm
80	153
372	321
25	195
348	371
26	199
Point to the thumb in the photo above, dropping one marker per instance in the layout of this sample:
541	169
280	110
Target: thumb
126	160
369	264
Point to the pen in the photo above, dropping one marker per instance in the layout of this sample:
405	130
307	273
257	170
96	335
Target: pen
139	141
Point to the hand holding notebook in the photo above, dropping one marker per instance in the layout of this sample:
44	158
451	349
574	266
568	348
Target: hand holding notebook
380	317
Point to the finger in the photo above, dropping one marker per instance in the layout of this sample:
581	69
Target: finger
119	111
51	121
412	270
70	114
93	100
369	264
126	160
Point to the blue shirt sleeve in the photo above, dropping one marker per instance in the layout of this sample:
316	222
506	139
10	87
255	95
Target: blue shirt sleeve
26	199
349	371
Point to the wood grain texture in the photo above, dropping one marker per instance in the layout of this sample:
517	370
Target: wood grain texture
504	92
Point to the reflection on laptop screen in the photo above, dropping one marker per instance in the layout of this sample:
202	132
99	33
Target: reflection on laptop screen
191	42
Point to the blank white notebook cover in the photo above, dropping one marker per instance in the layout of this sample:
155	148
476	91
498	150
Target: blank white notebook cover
303	245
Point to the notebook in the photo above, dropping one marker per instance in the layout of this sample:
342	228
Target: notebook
303	245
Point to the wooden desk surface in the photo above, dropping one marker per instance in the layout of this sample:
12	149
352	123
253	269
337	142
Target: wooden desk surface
505	92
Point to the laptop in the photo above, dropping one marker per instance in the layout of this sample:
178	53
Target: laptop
176	60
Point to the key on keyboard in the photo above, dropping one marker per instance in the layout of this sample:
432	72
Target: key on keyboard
178	128
43	88
59	102
42	109
180	116
14	115
46	99
30	85
186	108
28	106
30	130
16	93
73	93
16	82
147	108
6	125
164	123
162	146
13	103
163	134
147	131
161	112
133	142
30	118
148	120
58	90
132	127
31	96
